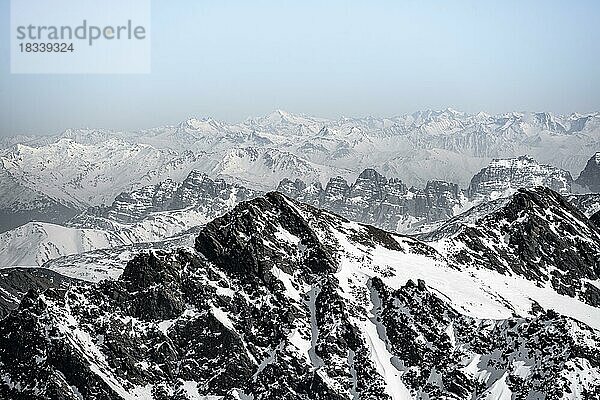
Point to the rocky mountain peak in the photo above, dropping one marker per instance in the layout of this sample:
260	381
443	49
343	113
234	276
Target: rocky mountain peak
197	190
503	176
374	199
282	300
535	233
249	231
372	175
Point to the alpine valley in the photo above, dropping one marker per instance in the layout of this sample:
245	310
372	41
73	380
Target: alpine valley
437	255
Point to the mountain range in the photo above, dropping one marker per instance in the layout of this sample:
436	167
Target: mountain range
84	167
165	211
278	299
437	255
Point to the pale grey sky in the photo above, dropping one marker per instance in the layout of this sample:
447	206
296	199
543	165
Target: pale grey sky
232	59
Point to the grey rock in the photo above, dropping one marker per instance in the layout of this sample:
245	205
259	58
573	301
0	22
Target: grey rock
589	179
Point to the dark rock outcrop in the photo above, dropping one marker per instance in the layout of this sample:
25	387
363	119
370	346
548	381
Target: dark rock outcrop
197	190
376	200
535	233
589	179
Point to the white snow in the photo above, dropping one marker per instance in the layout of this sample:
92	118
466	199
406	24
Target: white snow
381	358
498	391
287	279
222	317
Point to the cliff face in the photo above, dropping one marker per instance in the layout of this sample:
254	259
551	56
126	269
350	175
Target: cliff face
376	200
503	176
589	179
196	190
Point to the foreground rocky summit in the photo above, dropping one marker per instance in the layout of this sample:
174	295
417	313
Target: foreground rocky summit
279	300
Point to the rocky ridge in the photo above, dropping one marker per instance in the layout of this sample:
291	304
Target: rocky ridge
282	300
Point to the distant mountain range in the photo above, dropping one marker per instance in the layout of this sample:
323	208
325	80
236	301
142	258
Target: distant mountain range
84	167
166	210
438	255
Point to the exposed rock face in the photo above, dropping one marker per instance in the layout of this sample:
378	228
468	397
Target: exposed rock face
413	312
373	199
283	301
595	219
589	179
535	233
197	190
504	176
588	203
14	282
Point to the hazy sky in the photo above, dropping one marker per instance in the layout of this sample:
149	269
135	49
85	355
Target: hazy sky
233	59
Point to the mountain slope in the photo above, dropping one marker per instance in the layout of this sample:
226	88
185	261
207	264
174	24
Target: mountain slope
20	204
535	233
281	300
588	203
152	214
15	282
589	179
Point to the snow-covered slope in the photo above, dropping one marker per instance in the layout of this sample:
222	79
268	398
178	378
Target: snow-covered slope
151	214
536	234
86	174
20	204
37	242
282	300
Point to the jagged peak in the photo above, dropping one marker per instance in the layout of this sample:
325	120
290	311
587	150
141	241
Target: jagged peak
196	175
534	201
371	174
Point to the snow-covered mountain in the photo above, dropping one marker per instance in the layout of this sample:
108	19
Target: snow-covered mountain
282	300
376	200
20	204
588	203
155	213
197	191
535	233
168	273
37	242
90	167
